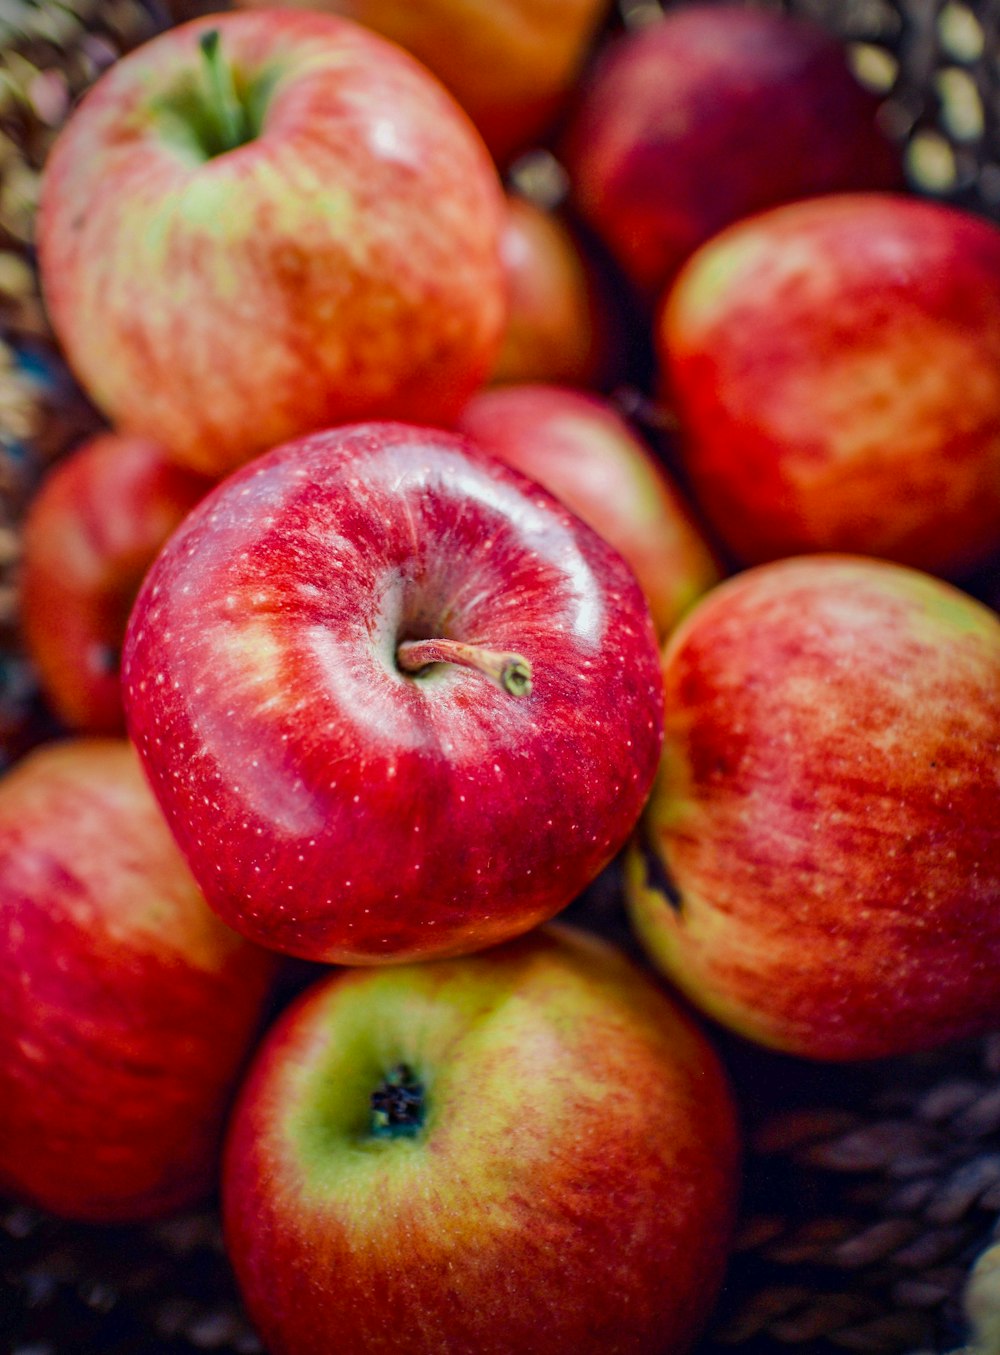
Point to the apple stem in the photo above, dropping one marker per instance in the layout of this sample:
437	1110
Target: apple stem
223	100
512	672
397	1105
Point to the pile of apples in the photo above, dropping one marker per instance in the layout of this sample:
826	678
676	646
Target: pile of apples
411	639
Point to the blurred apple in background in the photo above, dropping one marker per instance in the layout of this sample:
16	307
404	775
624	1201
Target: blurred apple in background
560	326
835	368
526	1150
260	224
585	453
90	535
821	861
395	700
127	1009
511	65
708	115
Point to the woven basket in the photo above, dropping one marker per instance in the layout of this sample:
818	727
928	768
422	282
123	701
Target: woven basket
870	1191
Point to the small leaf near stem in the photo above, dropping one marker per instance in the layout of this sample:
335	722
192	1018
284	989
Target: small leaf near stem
512	672
228	113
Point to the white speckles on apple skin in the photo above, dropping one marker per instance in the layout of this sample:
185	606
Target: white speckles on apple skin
320	762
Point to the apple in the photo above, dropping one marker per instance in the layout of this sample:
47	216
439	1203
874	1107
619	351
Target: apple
512	66
90	534
256	225
394	699
820	860
127	1010
530	1149
581	449
559	324
835	368
711	114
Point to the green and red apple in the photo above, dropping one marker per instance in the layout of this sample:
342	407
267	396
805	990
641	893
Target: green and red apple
819	864
261	224
835	368
530	1149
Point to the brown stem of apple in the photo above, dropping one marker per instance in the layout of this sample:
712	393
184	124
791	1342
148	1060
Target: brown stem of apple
512	672
224	103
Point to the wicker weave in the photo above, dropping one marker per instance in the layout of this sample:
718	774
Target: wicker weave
870	1191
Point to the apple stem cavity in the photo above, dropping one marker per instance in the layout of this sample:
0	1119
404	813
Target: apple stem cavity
511	672
397	1105
658	876
231	127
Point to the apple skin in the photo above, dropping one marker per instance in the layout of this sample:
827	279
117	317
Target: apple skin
128	1009
558	326
511	66
334	807
580	449
571	1189
711	114
92	531
835	367
342	264
820	864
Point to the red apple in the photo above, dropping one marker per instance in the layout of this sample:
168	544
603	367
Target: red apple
558	328
89	537
510	65
822	863
578	447
394	699
525	1150
835	366
708	115
127	1008
260	224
